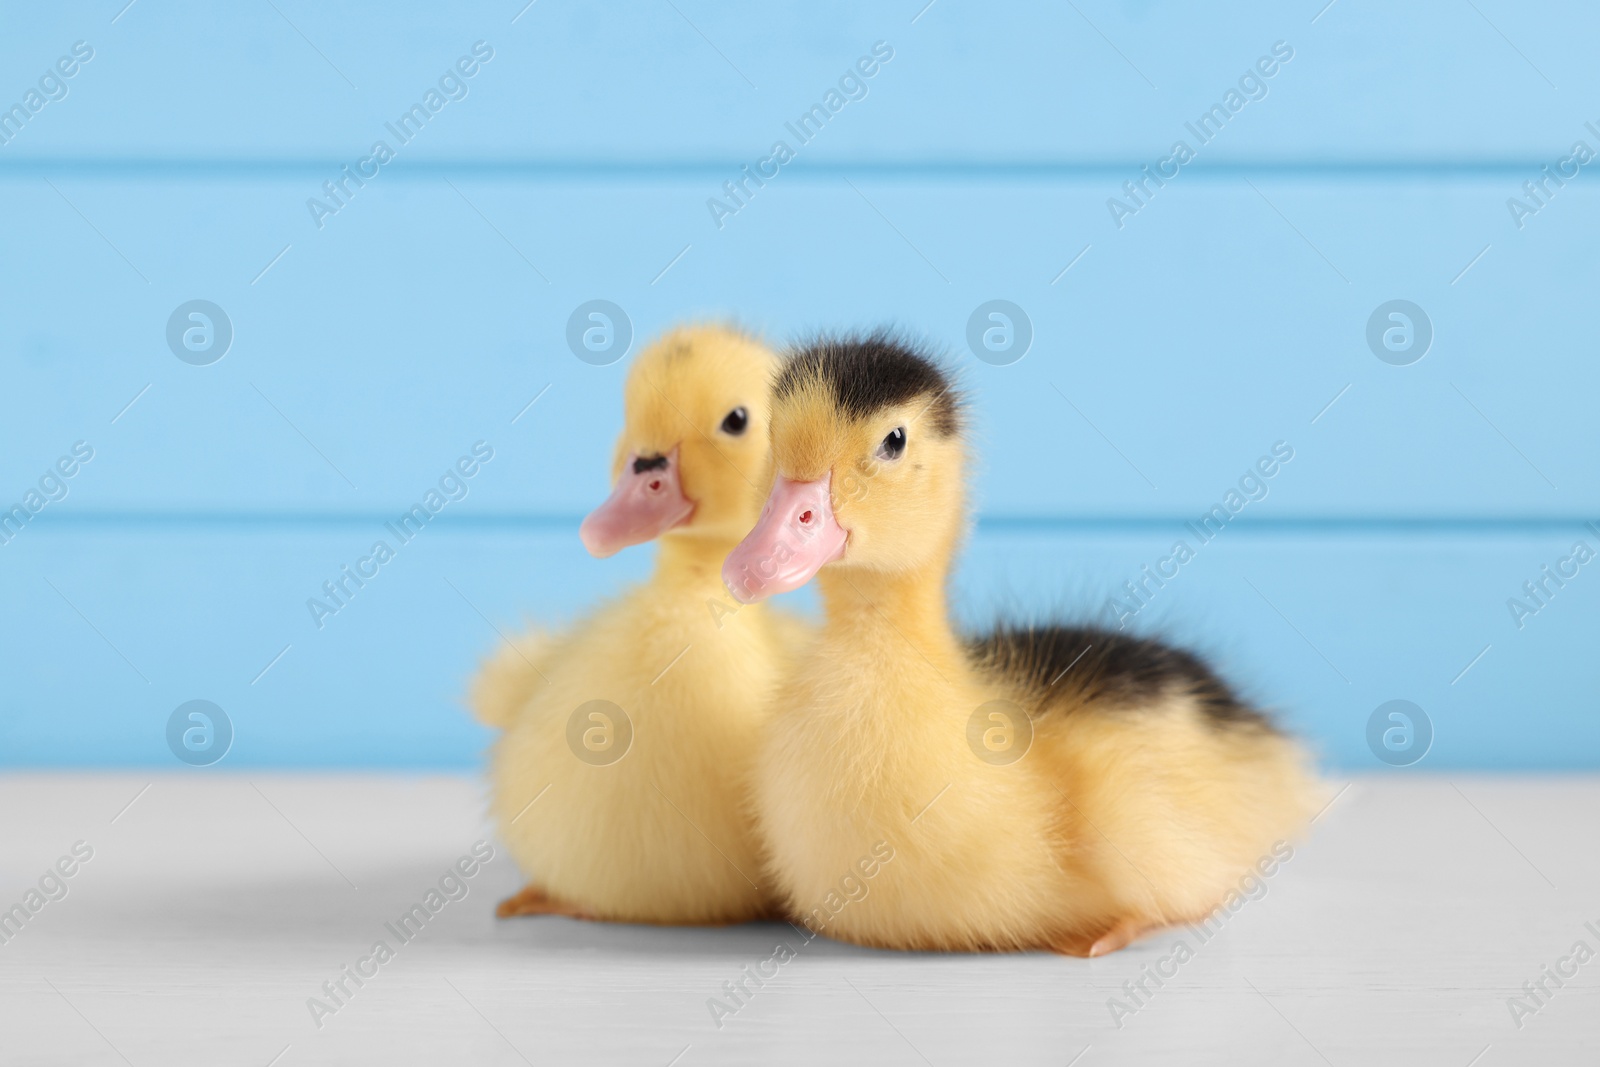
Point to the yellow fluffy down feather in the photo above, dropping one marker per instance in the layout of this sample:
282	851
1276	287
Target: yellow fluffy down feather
507	678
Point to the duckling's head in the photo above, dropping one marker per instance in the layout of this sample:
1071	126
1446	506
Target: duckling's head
693	446
868	467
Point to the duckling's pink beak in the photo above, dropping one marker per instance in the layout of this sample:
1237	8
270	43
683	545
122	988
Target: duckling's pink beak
795	538
646	502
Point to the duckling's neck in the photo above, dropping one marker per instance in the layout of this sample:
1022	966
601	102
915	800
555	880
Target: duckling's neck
694	561
863	606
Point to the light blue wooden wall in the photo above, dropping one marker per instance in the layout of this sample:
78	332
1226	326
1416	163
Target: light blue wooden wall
1228	314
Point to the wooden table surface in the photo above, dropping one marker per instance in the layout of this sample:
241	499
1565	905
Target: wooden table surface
215	906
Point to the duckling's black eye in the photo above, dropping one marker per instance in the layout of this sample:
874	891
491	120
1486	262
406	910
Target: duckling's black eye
894	444
736	421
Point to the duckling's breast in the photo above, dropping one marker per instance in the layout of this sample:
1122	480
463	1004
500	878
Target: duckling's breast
870	758
622	785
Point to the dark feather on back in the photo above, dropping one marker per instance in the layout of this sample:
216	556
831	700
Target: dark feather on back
1071	667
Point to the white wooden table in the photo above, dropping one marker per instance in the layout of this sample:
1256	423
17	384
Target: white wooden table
215	905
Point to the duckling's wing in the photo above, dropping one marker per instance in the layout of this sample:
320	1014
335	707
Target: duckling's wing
1085	669
508	677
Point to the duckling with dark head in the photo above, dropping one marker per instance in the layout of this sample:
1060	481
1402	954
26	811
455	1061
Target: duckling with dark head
1126	788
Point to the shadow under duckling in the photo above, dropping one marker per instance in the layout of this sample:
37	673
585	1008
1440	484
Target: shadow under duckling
620	782
1037	788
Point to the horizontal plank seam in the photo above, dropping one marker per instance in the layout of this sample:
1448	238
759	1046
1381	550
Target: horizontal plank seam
1000	523
666	171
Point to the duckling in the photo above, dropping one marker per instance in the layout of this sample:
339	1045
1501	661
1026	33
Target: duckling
1039	787
619	782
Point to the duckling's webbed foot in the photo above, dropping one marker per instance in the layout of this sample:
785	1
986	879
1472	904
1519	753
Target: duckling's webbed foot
1121	934
533	901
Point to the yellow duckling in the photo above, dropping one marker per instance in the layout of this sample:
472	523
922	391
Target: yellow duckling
1037	788
620	781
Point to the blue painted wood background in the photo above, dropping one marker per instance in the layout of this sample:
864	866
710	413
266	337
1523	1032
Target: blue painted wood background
1176	338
